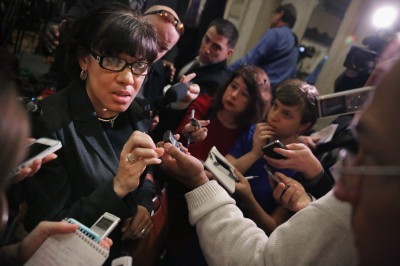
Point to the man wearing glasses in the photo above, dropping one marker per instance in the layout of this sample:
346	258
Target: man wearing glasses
168	28
319	234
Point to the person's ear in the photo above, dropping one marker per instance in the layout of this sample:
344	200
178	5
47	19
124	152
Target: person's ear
280	14
304	127
230	51
83	61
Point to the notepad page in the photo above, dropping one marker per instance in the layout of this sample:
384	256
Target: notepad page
69	249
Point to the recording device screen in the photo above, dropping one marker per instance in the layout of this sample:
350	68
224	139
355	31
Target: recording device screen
345	102
104	224
333	106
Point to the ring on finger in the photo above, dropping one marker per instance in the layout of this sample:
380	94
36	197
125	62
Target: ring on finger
130	158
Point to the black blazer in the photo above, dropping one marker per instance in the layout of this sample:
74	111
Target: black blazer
79	183
209	77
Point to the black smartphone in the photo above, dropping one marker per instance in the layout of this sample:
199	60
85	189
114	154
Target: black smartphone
269	149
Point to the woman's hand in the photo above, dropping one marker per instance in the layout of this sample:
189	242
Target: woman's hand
21	252
262	135
196	133
138	152
242	188
138	226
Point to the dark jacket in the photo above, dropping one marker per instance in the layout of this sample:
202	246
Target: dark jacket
79	183
209	77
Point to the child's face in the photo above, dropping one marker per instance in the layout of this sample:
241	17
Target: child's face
285	120
236	96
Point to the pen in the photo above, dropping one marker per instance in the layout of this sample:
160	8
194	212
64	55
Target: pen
188	137
250	177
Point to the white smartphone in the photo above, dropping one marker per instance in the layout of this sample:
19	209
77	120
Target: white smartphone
38	149
105	224
122	261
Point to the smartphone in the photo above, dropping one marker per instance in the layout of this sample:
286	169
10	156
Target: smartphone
269	149
105	224
274	177
169	137
122	261
38	149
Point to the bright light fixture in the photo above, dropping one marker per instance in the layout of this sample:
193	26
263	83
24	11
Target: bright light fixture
384	17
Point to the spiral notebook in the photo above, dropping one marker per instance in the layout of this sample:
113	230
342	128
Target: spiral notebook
221	169
69	249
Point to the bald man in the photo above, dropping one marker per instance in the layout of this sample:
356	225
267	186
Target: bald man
168	28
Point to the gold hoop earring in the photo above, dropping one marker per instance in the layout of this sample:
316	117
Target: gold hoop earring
83	75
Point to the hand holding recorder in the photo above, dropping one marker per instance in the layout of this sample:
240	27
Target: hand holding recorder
195	130
183	167
262	135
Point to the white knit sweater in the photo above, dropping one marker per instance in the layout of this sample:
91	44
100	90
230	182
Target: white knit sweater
318	235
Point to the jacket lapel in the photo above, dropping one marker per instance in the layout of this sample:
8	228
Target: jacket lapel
89	128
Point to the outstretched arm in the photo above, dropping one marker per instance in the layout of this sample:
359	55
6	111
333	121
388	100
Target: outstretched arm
218	220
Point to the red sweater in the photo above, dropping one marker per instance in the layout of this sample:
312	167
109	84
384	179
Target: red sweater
218	135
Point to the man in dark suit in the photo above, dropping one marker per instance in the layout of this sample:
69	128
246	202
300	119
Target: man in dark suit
196	22
217	44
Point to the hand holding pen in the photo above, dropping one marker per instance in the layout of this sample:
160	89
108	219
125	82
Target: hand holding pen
195	130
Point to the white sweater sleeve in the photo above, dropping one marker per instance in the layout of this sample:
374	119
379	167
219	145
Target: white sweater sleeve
222	230
319	234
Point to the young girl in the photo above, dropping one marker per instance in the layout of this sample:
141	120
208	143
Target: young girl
235	107
242	102
293	111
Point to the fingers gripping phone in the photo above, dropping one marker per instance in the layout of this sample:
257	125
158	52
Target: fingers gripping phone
269	149
38	149
169	137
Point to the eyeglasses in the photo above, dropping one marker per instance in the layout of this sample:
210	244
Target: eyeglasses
116	64
167	16
345	166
